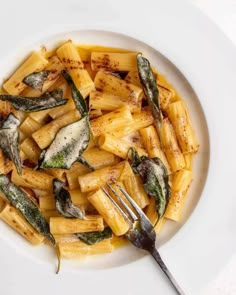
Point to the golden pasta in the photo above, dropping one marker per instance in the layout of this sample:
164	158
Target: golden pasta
61	225
120	118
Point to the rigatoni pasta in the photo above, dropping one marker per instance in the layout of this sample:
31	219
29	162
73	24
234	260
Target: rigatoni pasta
105	87
35	63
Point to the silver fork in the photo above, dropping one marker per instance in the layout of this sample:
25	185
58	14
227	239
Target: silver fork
141	233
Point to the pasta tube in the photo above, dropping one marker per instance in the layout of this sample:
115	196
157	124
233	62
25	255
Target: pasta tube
181	183
61	225
93	180
134	186
109	102
114	62
117	119
45	135
170	146
55	67
47	202
57	173
35	63
152	144
78	248
109	212
62	110
6	165
118	147
96	157
30	150
179	118
13	218
5	107
29	126
32	179
70	57
140	120
189	161
165	93
107	82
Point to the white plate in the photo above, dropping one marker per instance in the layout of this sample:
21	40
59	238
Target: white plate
207	60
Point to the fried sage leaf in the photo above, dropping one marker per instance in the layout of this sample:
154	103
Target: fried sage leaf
19	199
36	79
46	101
68	145
9	140
95	237
80	103
150	89
64	204
155	180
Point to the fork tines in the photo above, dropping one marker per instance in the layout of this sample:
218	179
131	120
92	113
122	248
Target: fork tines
130	215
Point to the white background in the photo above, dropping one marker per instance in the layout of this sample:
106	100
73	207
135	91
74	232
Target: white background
223	13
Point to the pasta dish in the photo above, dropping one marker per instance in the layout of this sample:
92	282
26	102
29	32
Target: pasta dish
76	118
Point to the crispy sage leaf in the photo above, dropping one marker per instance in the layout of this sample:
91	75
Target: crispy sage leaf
68	145
46	101
80	103
36	79
155	180
19	199
95	237
9	140
64	204
150	89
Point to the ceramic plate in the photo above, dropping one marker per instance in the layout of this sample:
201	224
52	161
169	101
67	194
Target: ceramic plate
200	62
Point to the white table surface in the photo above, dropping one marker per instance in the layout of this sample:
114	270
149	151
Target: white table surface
222	13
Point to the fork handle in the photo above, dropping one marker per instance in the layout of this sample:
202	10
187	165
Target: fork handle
155	254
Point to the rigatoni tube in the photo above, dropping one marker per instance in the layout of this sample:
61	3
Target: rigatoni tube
35	63
61	225
134	186
118	147
94	180
151	143
78	248
109	102
111	121
170	146
30	150
109	212
45	135
69	56
96	157
114	62
140	120
107	82
181	183
32	179
13	218
179	117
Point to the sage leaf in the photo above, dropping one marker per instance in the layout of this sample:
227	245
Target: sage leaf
9	140
19	199
36	79
68	145
155	180
150	89
79	101
46	101
95	237
63	201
